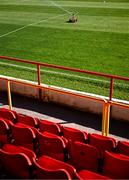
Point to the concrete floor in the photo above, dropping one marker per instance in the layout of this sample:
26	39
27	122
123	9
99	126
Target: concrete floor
66	116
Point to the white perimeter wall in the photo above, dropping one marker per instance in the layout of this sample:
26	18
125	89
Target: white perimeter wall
75	102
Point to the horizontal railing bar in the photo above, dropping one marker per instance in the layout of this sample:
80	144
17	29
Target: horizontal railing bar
53	89
66	68
66	92
119	104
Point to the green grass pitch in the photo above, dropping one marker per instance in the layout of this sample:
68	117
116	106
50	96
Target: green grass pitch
99	41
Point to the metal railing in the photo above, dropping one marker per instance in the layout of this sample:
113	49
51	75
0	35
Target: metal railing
103	101
106	103
38	65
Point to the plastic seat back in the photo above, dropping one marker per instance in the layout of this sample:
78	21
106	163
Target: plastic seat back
83	156
43	173
4	132
16	165
24	136
51	164
74	134
13	111
123	147
7	115
86	174
102	143
50	127
27	120
10	148
116	166
51	145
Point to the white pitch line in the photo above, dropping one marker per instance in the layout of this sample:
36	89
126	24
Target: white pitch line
60	7
43	20
48	71
60	73
23	27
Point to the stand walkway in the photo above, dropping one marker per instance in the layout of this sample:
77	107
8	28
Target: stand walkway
66	116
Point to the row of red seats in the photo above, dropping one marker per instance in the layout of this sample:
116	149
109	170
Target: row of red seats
55	146
96	140
20	162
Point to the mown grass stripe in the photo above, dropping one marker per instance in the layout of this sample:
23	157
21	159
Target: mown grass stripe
86	22
119	5
73	76
32	24
97	42
81	10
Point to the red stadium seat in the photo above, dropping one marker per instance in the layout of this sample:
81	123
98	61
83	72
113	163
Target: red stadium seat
116	166
102	143
8	116
14	112
74	134
85	174
43	173
51	145
123	147
83	156
4	132
27	120
24	136
50	168
16	165
48	126
10	148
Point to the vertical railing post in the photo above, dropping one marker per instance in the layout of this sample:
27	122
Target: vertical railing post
111	89
38	74
9	95
107	119
39	81
104	119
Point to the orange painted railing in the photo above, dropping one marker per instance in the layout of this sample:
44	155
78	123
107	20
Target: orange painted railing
106	103
38	64
103	101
